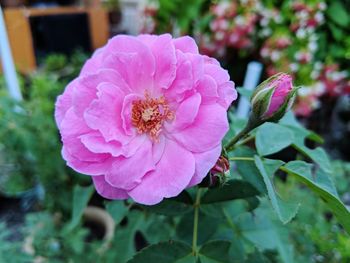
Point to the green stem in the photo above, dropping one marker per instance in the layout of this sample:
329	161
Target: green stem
235	139
195	222
241	159
245	140
252	123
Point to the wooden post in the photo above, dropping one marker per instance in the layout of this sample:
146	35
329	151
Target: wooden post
7	62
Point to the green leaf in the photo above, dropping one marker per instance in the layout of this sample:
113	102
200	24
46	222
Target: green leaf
284	210
321	184
271	138
165	252
81	197
124	239
264	232
237	250
337	12
336	31
318	155
207	226
158	228
298	130
217	251
233	189
117	209
248	170
179	205
256	257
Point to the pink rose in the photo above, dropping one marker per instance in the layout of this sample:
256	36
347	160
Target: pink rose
273	97
145	117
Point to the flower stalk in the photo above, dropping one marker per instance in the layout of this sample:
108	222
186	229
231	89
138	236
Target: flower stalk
270	101
251	125
195	222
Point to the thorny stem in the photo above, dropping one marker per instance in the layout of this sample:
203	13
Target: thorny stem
195	222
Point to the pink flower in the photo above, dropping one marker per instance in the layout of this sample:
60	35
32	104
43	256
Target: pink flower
145	117
304	106
273	97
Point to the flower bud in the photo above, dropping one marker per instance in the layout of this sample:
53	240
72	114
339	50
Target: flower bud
222	166
273	98
219	174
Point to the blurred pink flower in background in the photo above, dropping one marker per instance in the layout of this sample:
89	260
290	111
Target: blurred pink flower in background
231	26
336	82
146	116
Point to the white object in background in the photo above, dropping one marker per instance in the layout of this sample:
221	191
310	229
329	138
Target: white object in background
132	11
7	62
251	80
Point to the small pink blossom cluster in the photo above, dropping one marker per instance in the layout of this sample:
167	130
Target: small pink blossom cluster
329	81
308	99
273	53
336	82
307	16
233	25
296	51
269	18
289	42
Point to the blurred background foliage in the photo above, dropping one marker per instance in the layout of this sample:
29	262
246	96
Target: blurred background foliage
52	226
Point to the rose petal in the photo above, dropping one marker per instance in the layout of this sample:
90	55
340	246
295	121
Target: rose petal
97	144
126	173
85	167
164	53
185	114
208	129
93	64
227	94
170	177
85	88
186	44
128	55
108	191
197	62
219	74
158	149
71	128
183	80
204	162
104	113
64	102
126	113
208	89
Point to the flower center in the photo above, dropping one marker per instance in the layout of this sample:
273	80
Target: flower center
148	115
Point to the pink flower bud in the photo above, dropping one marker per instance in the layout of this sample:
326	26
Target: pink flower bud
273	98
222	166
219	174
